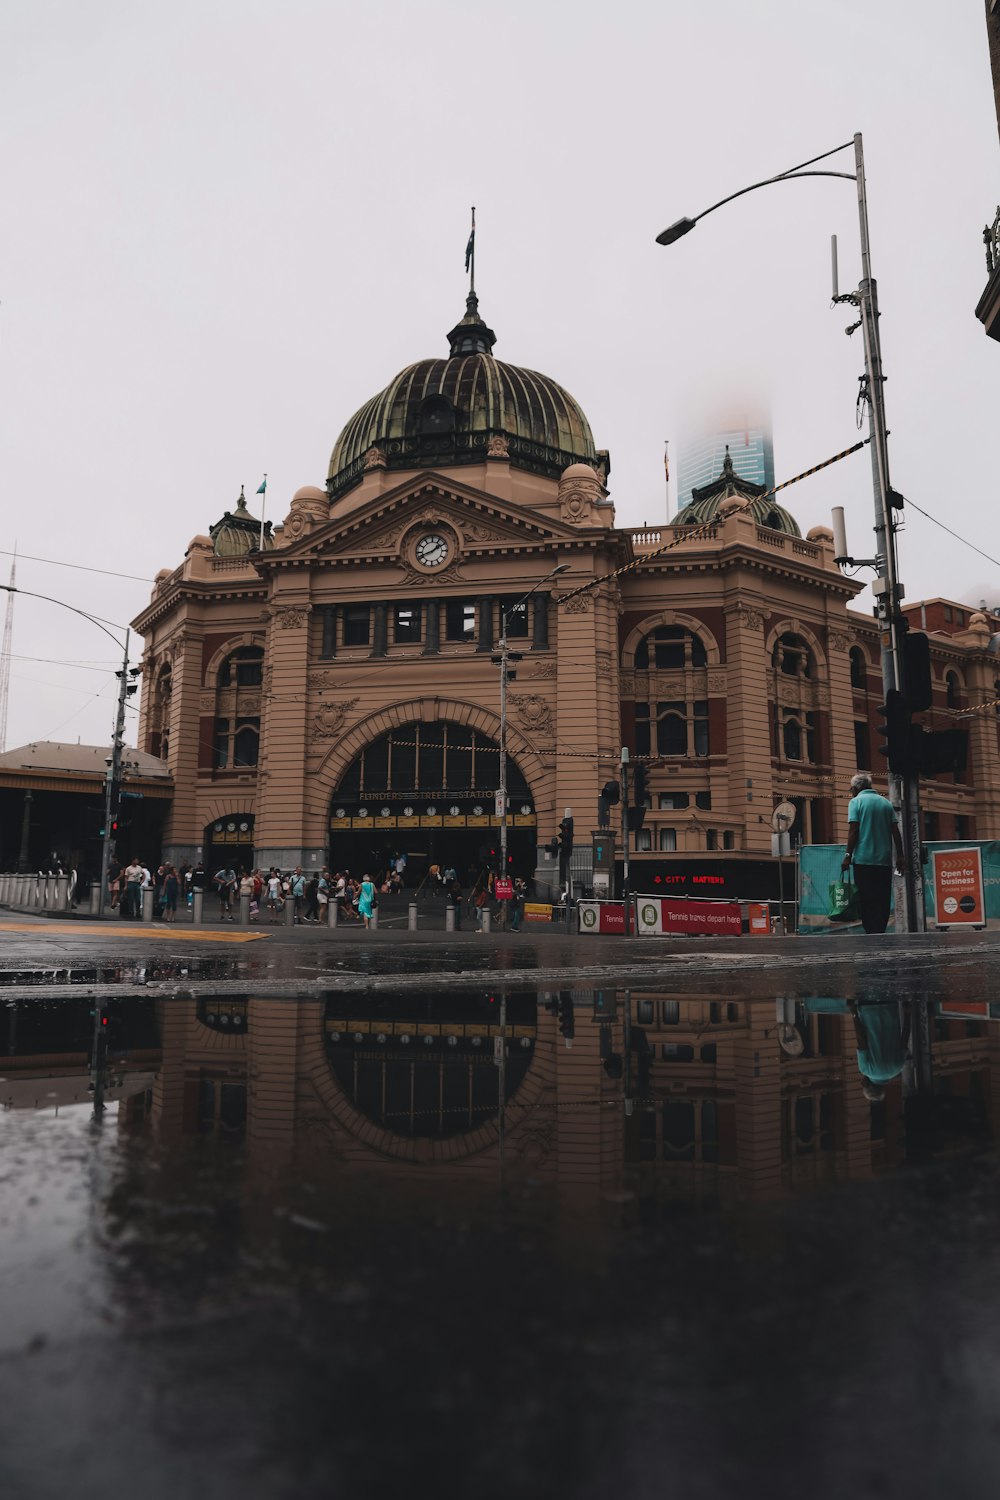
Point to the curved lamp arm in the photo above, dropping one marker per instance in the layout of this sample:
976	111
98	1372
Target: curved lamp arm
94	619
684	226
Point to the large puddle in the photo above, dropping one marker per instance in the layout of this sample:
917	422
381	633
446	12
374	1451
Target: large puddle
321	1240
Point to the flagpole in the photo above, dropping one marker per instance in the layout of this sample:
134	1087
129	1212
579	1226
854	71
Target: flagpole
472	257
666	471
262	492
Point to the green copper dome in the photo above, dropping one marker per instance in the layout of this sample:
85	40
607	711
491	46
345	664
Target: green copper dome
704	505
463	409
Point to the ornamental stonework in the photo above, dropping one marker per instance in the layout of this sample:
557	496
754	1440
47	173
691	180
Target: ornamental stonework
603	663
375	458
318	681
839	641
498	447
290	617
717	682
533	712
483	534
579	604
544	669
750	619
329	721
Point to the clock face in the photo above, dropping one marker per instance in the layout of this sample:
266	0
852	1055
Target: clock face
431	550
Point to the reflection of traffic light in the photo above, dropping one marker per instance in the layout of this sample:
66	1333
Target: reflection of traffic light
567	1021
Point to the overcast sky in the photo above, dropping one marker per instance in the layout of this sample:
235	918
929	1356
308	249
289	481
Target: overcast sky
228	223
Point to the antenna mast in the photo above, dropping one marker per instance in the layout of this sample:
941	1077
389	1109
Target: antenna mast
8	634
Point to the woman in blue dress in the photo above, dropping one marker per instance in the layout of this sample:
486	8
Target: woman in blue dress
366	900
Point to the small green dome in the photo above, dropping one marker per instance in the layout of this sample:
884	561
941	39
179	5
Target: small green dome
463	409
238	533
705	503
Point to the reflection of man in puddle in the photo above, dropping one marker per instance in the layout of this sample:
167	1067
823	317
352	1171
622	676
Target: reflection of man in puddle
882	1038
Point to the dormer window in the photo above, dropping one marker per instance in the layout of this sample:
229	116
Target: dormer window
436	415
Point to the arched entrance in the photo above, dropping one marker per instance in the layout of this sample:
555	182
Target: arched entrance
229	841
427	790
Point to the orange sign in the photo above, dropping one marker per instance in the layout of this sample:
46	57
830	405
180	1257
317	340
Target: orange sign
958	888
759	919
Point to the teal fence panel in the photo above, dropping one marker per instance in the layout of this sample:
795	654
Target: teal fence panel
819	866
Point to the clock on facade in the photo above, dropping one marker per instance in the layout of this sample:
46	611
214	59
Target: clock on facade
431	550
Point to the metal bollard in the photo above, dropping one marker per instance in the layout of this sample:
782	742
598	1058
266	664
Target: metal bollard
244	910
147	904
373	920
411	917
289	911
449	917
486	918
62	893
198	907
332	912
95	899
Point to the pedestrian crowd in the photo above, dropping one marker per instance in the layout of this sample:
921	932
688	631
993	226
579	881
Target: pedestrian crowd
310	893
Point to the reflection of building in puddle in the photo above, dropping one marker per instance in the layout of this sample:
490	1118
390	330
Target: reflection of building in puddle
46	1049
377	1083
740	1099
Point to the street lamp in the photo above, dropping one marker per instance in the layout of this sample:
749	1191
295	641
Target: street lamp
502	660
887	588
114	761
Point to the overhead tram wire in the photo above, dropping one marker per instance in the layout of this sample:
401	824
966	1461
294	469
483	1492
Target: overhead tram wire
54	562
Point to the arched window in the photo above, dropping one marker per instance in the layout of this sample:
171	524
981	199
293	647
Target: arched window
243	668
159	740
953	689
670	648
859	668
236	734
792	656
773	522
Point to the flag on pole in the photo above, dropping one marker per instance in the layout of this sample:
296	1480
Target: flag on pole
263	488
470	248
666	460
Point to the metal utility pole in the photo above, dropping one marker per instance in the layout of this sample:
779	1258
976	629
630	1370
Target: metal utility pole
8	637
112	779
624	766
503	660
887	587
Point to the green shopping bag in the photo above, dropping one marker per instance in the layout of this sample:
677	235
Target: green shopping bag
845	903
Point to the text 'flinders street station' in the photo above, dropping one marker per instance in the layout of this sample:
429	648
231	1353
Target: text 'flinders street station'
330	697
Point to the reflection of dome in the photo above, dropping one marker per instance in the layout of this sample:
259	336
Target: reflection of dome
464	409
238	533
708	503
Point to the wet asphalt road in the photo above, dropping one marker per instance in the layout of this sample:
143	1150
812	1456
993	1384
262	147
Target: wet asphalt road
224	1322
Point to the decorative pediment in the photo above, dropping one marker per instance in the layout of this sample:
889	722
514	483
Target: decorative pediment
380	531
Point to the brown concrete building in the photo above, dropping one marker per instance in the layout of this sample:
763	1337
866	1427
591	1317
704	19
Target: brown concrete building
332	698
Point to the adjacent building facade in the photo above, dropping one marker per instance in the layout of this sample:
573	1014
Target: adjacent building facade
332	697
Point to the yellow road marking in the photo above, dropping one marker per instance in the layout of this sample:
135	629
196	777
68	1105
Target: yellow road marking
93	929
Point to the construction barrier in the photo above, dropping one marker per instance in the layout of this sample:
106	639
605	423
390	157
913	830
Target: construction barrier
687	916
596	917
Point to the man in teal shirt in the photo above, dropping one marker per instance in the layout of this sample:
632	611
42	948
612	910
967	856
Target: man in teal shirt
872	836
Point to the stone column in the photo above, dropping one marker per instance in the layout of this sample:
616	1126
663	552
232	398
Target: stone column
379	632
540	622
280	832
432	627
485	642
748	727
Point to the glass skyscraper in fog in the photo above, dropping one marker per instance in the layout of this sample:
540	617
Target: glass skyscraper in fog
751	448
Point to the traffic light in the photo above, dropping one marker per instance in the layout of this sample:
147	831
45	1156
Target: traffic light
611	795
637	812
566	831
552	847
898	742
943	751
917	671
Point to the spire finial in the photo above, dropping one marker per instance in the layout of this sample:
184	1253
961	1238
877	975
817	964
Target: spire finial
727	465
241	503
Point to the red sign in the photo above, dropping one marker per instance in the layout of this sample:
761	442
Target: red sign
658	914
503	889
595	917
958	888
